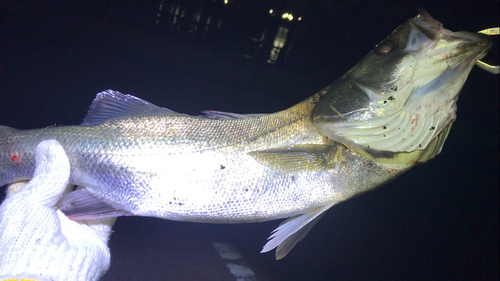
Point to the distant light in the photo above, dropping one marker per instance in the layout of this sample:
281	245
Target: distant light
226	1
299	18
271	11
287	16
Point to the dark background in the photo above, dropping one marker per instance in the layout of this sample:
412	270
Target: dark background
437	222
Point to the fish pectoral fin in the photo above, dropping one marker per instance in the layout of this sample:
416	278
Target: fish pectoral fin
81	205
304	157
292	230
111	104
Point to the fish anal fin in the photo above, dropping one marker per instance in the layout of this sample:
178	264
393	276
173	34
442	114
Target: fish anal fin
292	230
81	205
317	157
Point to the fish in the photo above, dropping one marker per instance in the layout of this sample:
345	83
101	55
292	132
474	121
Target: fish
390	112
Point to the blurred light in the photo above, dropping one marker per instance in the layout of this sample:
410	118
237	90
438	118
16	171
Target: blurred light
271	11
299	18
226	1
281	37
287	16
279	42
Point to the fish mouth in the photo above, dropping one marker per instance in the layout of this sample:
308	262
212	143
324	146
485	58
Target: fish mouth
442	54
456	47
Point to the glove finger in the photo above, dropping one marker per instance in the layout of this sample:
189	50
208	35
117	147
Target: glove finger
51	175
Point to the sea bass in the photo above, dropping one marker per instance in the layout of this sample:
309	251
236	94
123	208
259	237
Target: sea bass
391	111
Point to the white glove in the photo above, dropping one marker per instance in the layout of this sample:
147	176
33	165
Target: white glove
39	242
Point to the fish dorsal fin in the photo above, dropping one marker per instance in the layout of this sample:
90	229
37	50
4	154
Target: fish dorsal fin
292	230
214	114
298	157
111	104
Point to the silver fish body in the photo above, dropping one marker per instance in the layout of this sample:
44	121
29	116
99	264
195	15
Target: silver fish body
391	111
207	170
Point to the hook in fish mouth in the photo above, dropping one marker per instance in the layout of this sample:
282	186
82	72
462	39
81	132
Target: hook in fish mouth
494	69
434	30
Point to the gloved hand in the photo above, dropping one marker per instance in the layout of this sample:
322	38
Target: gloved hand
39	242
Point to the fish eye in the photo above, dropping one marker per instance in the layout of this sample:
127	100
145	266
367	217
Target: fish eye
384	47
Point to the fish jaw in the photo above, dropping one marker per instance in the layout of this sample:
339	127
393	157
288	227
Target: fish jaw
402	94
442	51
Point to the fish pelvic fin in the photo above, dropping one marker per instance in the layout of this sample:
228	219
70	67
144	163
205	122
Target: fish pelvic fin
81	205
292	230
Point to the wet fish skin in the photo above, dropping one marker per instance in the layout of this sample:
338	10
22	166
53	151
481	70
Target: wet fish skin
139	161
391	111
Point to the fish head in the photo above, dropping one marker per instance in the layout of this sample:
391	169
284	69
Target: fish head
409	82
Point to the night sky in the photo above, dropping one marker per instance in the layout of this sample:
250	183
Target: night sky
439	221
